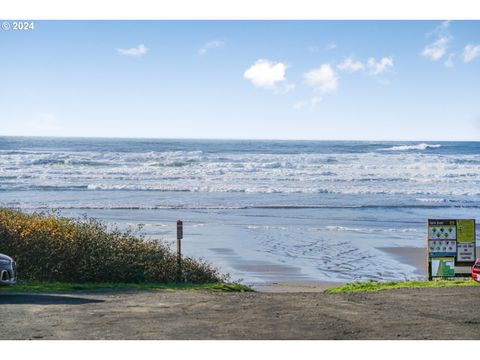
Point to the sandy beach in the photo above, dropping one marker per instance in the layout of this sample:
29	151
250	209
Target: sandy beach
294	287
415	257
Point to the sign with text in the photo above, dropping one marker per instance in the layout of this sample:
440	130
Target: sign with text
451	247
465	252
466	241
442	238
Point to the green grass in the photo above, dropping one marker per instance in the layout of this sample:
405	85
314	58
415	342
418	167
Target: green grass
37	286
378	286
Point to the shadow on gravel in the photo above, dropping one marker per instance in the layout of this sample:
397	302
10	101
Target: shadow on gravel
36	299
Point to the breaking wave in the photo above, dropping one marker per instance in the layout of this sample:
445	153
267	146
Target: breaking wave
421	146
394	172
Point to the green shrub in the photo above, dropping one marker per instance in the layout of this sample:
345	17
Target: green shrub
364	286
49	247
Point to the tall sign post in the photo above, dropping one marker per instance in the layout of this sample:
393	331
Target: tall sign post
179	249
450	247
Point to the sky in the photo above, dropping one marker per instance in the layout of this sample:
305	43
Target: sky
325	80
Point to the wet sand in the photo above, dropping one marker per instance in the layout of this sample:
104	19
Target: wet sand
268	273
283	278
295	287
416	257
288	279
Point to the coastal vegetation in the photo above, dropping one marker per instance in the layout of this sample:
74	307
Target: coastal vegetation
388	285
51	248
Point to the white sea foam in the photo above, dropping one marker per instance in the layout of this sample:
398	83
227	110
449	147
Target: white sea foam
421	146
427	176
432	200
364	230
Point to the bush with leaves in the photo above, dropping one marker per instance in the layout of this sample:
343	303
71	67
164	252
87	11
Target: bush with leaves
50	247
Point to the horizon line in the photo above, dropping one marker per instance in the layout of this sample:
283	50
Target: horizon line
221	139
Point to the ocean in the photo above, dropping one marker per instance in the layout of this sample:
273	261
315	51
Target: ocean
262	211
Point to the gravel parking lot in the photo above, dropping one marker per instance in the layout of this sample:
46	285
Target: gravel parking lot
448	313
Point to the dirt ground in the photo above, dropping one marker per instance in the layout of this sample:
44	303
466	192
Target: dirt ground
449	313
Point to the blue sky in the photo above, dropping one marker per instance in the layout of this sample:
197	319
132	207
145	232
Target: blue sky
366	80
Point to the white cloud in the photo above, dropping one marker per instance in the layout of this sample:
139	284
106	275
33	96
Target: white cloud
350	65
138	51
379	67
266	74
449	62
331	46
470	52
441	29
213	44
323	79
436	50
372	67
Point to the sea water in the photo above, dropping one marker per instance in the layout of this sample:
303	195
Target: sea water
259	210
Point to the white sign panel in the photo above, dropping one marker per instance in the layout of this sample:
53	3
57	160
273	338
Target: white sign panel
442	232
465	252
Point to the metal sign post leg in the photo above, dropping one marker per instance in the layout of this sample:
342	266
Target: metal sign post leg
179	249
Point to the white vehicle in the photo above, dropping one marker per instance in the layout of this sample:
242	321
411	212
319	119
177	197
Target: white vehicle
8	270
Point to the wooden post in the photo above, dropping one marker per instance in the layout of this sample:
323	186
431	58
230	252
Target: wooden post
429	264
179	249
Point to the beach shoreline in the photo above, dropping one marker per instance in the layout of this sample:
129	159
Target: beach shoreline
412	256
294	287
416	257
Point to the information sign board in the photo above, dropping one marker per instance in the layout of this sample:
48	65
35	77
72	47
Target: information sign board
451	247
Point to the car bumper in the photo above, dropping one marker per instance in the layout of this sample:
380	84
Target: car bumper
8	276
476	276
